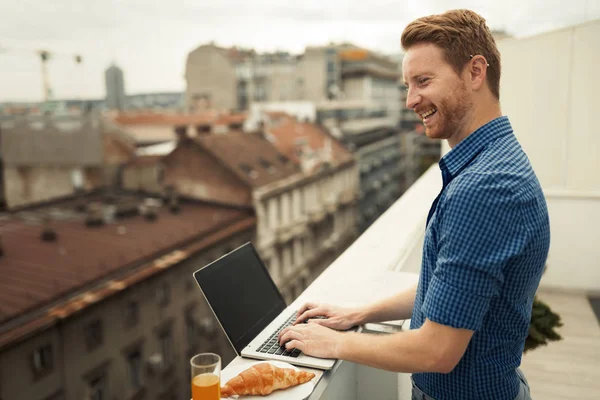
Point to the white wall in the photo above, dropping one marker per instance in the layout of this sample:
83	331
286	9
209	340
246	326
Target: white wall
549	89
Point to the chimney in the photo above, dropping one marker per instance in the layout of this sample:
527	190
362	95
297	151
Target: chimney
181	133
149	209
204	129
48	232
80	205
95	215
174	203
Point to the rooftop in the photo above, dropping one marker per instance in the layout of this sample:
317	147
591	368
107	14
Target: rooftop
155	127
250	156
177	119
89	247
290	136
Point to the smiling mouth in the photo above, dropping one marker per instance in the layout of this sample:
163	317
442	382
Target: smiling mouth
428	113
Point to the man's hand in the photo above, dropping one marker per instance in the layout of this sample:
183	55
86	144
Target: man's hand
312	339
336	317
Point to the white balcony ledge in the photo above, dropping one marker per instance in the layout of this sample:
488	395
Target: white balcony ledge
387	257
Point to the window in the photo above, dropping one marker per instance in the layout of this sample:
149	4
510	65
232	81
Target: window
163	295
97	388
42	360
132	313
248	170
93	334
330	67
267	165
165	340
134	366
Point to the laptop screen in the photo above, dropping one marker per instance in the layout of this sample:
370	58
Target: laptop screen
241	293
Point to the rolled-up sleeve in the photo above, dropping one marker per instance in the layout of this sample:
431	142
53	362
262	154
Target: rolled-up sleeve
480	232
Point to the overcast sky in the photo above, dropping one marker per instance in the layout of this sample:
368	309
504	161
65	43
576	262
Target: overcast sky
150	39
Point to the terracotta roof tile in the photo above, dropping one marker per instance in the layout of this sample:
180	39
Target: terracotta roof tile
287	134
253	158
147	127
37	272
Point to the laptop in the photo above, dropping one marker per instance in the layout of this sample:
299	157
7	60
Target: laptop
250	308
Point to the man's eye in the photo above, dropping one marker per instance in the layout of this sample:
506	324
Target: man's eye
423	81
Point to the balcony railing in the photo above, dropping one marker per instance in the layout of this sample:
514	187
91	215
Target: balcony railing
387	256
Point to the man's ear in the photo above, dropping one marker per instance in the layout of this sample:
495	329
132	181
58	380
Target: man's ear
477	69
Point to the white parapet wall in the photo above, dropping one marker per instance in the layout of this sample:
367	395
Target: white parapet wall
549	90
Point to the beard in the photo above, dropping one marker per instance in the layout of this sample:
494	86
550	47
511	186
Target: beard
450	114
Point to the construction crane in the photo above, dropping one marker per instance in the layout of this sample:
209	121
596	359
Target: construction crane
45	56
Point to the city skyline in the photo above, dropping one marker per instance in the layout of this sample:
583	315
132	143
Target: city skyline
150	41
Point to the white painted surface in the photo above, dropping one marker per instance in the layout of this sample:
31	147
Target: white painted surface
574	259
549	90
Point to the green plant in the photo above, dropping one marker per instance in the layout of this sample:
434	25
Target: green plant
542	327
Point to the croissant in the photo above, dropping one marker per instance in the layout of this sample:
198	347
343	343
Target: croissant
262	379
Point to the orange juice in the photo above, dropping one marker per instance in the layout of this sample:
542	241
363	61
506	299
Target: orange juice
206	387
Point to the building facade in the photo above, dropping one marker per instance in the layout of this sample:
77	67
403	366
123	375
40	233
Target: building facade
238	78
373	137
280	181
307	220
211	79
45	158
120	315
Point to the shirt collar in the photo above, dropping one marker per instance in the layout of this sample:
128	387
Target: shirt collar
464	152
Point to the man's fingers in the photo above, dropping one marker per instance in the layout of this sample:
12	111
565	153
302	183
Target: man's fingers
323	322
309	314
283	332
306	307
295	344
289	335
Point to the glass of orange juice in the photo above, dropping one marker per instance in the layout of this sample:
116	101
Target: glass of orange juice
206	376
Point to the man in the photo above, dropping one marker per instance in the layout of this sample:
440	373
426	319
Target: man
486	241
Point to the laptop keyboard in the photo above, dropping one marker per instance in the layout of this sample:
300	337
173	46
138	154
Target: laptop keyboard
271	345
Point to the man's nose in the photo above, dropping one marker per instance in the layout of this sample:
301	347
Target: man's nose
412	99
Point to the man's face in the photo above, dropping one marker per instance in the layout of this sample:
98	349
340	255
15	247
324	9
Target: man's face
435	92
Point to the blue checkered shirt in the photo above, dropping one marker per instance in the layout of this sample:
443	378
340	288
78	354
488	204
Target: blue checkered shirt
485	248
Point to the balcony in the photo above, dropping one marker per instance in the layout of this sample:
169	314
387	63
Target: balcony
387	257
562	147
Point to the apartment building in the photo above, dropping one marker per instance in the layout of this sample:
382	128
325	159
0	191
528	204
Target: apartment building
97	299
347	72
233	78
236	78
264	170
45	158
211	79
307	220
367	131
